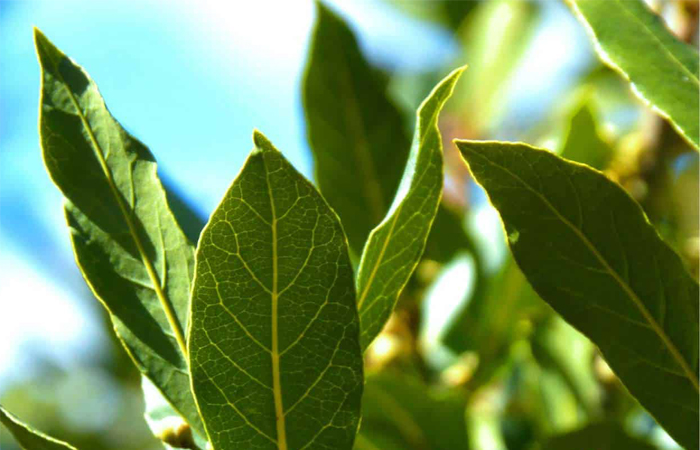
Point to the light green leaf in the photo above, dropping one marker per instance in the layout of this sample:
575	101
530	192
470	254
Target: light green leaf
274	339
663	71
395	246
127	243
583	141
560	348
400	412
494	36
29	438
355	132
598	436
588	250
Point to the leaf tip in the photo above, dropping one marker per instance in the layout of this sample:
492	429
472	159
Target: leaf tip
261	142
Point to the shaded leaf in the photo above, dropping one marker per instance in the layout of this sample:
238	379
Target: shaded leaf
274	339
395	246
588	250
400	412
663	71
29	438
355	132
127	243
598	436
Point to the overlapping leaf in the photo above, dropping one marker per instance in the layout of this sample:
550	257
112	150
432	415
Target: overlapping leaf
29	438
355	132
127	243
274	338
635	42
588	250
395	246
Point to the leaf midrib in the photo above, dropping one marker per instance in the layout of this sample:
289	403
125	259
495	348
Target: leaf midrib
375	269
275	353
626	288
170	314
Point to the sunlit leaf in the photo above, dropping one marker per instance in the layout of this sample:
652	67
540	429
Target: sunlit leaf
399	412
588	250
494	37
395	246
598	436
355	132
663	70
274	339
127	243
29	438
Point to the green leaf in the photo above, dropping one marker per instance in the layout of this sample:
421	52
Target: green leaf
494	36
588	250
127	243
663	71
395	246
598	436
355	132
274	338
29	438
399	412
165	423
583	141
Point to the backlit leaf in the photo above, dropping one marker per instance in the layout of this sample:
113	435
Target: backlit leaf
355	132
127	243
274	339
395	246
588	250
663	70
29	438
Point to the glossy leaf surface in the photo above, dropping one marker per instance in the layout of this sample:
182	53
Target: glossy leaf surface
395	246
132	253
29	438
588	250
274	339
355	132
663	71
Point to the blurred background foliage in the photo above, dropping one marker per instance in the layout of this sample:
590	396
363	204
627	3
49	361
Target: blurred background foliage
472	358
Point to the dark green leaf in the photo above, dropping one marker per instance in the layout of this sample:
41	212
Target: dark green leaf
356	133
399	412
447	237
274	339
395	246
29	438
663	71
598	436
127	243
589	251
